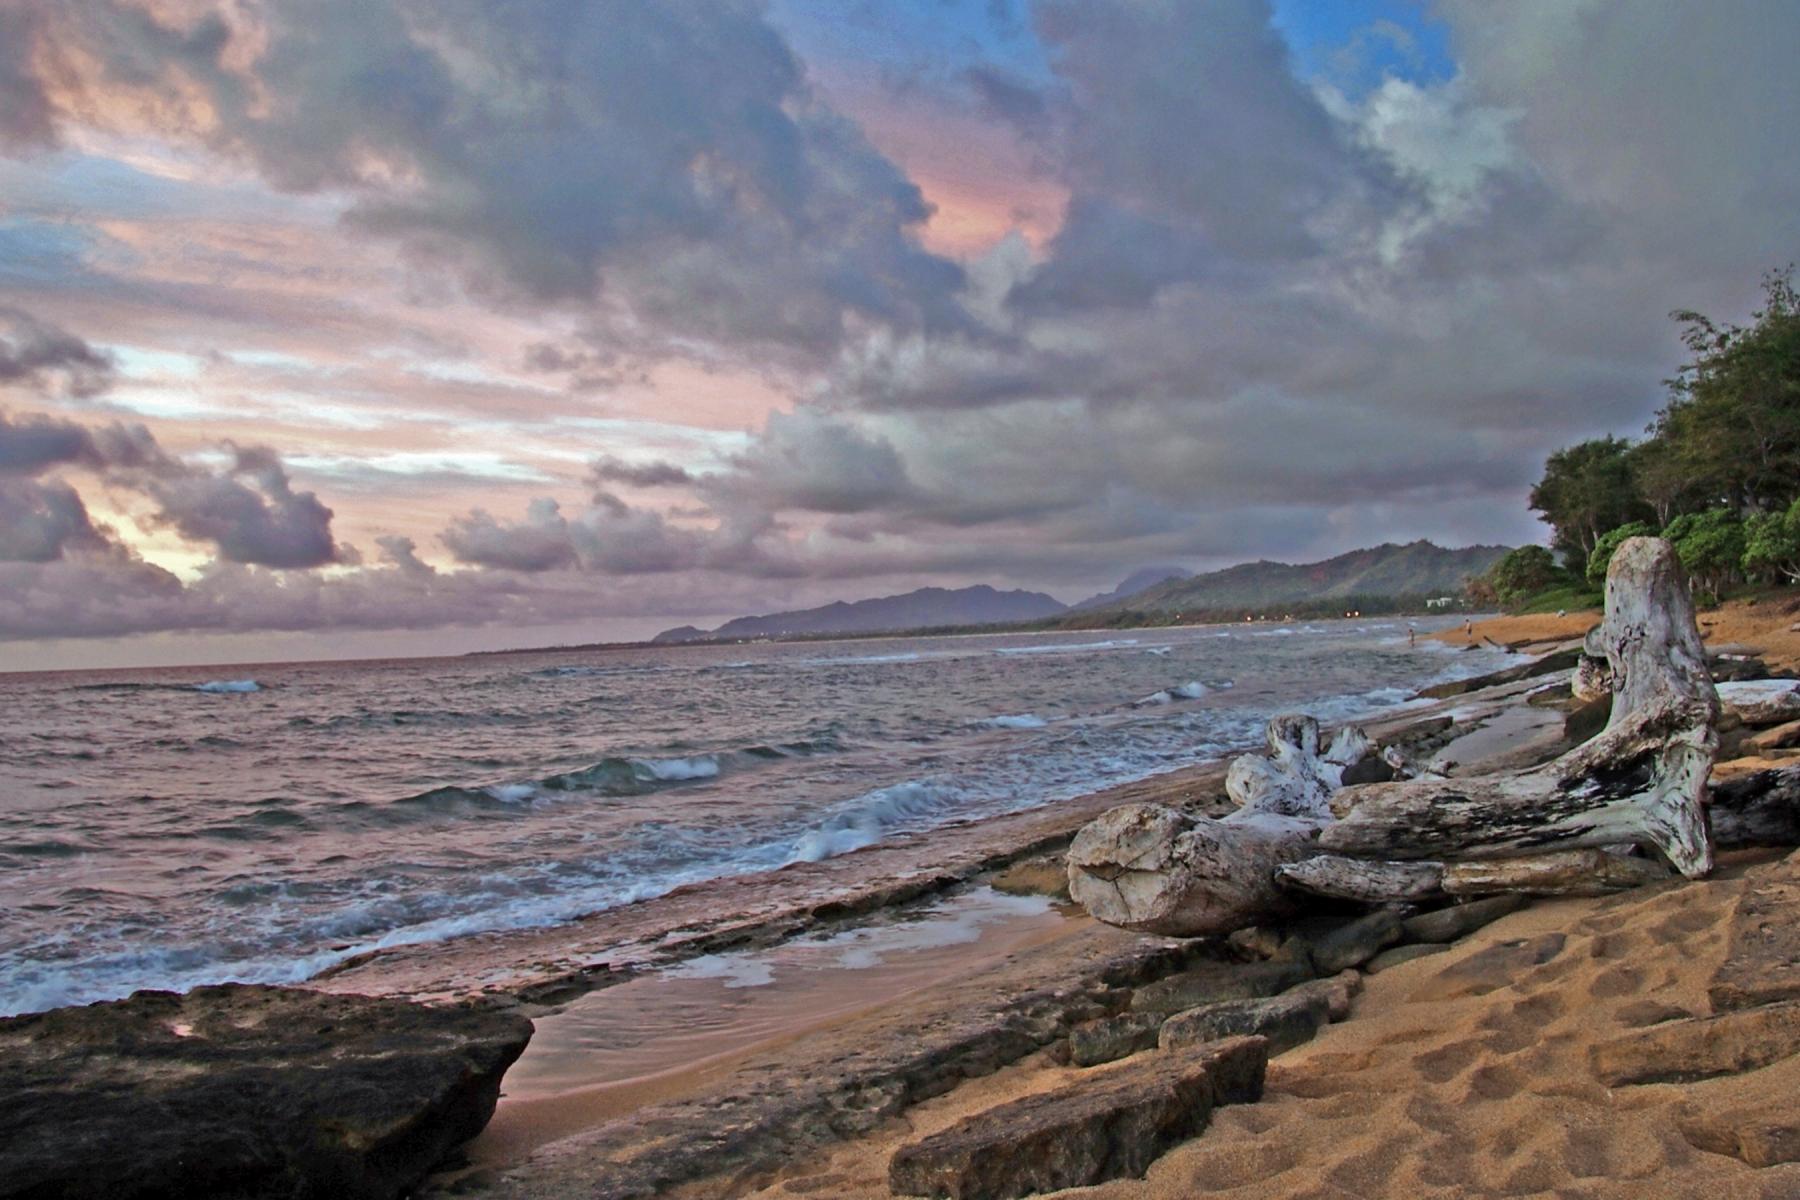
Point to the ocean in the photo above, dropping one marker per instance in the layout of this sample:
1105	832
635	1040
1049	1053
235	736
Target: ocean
172	827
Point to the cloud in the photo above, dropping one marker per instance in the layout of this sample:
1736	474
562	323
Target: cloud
25	113
607	469
250	513
813	462
666	167
40	521
35	353
35	443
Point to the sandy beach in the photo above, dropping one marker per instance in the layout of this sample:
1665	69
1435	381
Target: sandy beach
1465	1072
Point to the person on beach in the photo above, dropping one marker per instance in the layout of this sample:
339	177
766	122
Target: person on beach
1412	636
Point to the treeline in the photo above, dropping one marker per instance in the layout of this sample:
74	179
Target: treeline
1718	474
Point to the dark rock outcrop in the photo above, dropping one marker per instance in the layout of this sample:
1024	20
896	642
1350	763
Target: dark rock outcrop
1701	1047
1210	982
242	1091
1286	1021
1108	1126
1460	920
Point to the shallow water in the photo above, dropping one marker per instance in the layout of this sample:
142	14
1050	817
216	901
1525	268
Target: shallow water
174	827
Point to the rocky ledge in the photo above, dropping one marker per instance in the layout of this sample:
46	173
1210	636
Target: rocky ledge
243	1091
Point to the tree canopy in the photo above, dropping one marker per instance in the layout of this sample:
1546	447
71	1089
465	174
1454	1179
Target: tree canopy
1719	473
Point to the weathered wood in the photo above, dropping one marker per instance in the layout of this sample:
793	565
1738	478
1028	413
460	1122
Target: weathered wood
1559	873
1639	782
1156	870
1360	879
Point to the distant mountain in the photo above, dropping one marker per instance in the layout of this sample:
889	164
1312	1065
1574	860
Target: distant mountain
1416	569
1137	581
926	608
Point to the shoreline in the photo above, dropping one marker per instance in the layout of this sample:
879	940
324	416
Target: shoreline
552	964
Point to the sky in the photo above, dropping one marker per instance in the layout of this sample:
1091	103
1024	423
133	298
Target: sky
348	328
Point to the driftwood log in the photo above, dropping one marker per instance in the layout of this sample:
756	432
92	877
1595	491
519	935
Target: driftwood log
1639	783
1153	869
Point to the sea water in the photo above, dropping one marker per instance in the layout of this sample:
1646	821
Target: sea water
167	828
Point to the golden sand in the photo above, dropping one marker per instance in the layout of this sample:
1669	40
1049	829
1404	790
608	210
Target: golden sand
1761	624
1437	1087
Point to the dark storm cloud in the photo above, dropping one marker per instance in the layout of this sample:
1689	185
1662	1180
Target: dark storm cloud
39	520
36	353
652	474
666	161
250	512
33	443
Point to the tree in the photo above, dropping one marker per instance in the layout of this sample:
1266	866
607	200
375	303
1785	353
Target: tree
1608	545
1732	428
1523	573
1586	490
1710	546
1772	544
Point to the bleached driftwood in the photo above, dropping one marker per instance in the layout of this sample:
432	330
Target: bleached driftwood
1640	781
1156	870
1361	879
1558	873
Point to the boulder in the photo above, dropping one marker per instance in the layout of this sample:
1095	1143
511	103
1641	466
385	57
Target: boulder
1778	737
1286	1021
1460	920
1762	1135
1211	982
242	1091
1355	943
1110	1125
1761	702
1105	1039
1400	955
1701	1047
1337	992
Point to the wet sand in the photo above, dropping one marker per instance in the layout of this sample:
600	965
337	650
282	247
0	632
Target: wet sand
1752	625
672	1033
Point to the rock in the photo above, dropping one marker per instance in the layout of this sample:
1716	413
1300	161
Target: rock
1559	660
1490	969
1762	1135
1355	943
241	1091
1737	668
1780	737
1403	954
1337	992
1212	982
1108	1126
1762	702
1762	958
1254	943
1701	1047
1107	1038
1460	920
1286	1021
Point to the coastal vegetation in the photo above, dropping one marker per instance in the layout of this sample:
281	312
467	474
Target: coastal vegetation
1718	473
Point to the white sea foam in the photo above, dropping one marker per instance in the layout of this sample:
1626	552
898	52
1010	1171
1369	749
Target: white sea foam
1067	648
1191	690
1017	721
856	659
229	686
674	770
512	793
869	817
